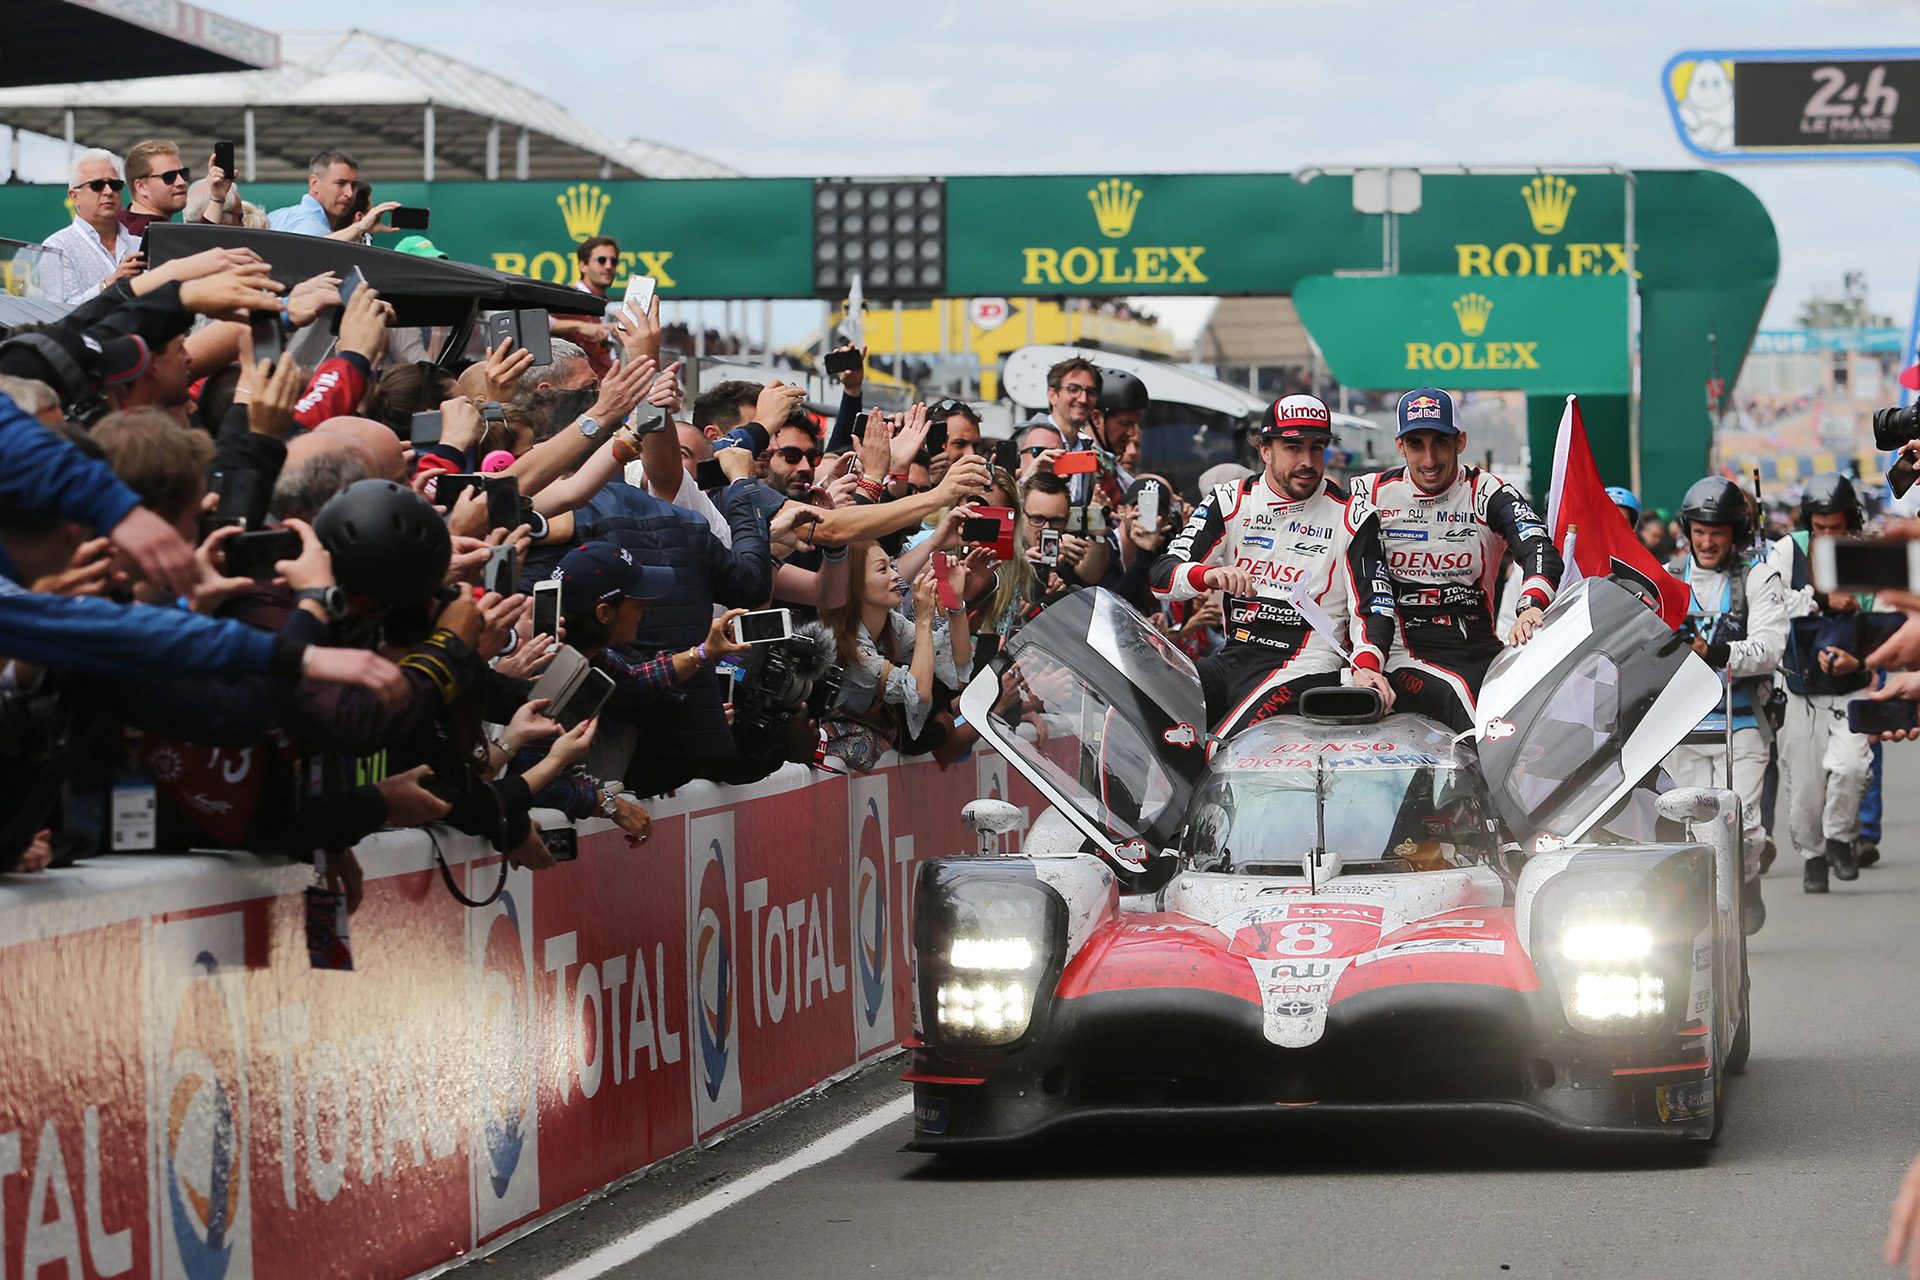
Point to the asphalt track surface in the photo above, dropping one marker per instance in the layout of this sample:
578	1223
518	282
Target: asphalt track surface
1816	1136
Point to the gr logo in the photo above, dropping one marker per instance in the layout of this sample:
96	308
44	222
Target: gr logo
876	933
713	970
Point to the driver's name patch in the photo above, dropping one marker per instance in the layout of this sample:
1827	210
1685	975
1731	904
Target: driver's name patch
1436	946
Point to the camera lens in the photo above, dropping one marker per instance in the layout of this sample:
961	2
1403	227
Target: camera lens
1895	427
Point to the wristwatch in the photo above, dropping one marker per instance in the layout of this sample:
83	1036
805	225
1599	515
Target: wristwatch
332	599
609	804
588	427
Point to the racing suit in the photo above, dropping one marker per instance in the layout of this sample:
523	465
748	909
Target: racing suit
1743	619
1327	548
1826	765
1443	556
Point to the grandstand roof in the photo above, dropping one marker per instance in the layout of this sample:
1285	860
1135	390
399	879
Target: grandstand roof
51	40
358	91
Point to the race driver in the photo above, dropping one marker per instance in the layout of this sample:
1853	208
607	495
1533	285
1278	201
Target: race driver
1293	546
1444	525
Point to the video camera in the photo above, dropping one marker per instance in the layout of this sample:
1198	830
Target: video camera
786	678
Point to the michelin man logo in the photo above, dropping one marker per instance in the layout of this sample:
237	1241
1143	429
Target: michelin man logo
1703	92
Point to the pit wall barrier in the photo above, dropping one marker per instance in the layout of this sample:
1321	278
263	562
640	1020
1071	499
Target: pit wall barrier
183	1095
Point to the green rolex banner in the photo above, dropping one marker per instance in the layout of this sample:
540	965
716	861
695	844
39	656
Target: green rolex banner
1552	333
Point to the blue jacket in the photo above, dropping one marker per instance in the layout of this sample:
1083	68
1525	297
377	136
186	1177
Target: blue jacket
46	473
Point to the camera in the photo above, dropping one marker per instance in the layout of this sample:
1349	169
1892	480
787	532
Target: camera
785	678
1893	427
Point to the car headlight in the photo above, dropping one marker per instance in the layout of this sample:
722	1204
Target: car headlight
986	936
1617	943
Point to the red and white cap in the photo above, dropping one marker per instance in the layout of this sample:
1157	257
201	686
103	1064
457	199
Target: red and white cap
1297	417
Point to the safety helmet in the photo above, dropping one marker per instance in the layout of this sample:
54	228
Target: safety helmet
1829	493
1624	499
1121	391
1716	500
386	542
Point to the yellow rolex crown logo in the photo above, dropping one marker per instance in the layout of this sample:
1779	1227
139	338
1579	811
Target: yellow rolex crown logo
1548	201
583	207
1473	310
1113	204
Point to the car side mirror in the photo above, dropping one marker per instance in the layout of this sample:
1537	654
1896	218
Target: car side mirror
989	820
1689	804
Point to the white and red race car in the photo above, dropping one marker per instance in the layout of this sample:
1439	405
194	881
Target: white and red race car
1336	913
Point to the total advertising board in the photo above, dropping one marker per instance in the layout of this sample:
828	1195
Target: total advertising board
185	1097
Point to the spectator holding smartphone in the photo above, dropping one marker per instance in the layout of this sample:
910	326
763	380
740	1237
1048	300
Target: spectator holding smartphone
95	250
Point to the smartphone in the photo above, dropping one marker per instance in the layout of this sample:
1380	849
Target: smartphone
726	677
1149	507
269	336
534	330
546	608
223	157
585	701
351	282
1085	521
502	574
979	529
407	218
943	580
639	295
763	626
425	428
647	419
1003	516
503	502
253	554
1006	456
243	500
500	328
563	843
842	361
448	487
1074	464
708	475
937	437
1859	564
1050	546
1864	715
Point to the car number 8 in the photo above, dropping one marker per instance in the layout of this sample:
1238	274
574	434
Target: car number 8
1306	938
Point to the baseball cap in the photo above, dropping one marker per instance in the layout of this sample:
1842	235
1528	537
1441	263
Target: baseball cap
1428	409
75	363
418	246
1297	417
598	572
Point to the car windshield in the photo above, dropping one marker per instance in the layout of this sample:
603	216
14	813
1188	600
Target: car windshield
1085	748
1401	811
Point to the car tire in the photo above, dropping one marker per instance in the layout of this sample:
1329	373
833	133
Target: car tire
1743	1038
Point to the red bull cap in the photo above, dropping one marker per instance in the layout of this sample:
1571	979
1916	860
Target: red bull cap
1428	409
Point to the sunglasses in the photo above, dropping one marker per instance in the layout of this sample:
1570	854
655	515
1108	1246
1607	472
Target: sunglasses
98	185
1035	450
792	453
170	177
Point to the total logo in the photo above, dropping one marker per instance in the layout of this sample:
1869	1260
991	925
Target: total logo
506	1106
712	898
713	973
202	1140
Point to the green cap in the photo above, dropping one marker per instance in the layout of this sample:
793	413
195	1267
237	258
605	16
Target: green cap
419	246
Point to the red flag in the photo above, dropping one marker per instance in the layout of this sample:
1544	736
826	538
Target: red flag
1604	544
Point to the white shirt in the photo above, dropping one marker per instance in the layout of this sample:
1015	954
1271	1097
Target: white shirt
690	498
84	261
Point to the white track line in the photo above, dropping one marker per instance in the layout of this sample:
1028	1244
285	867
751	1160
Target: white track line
661	1230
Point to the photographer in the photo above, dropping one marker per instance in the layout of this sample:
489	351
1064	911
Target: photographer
1825	765
1738	615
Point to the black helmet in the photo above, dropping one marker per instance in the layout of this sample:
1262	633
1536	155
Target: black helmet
1827	494
1716	500
1121	391
386	542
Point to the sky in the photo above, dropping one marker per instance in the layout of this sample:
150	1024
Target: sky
1048	86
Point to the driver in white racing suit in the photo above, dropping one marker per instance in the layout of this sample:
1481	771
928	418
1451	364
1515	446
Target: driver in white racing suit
1294	547
1444	526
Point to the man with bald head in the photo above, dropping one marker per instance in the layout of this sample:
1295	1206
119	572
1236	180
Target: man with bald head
319	464
392	456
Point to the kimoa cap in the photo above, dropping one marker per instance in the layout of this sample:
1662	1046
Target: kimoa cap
1428	409
1297	417
599	572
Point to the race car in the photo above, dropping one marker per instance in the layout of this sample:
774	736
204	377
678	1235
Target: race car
1339	913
